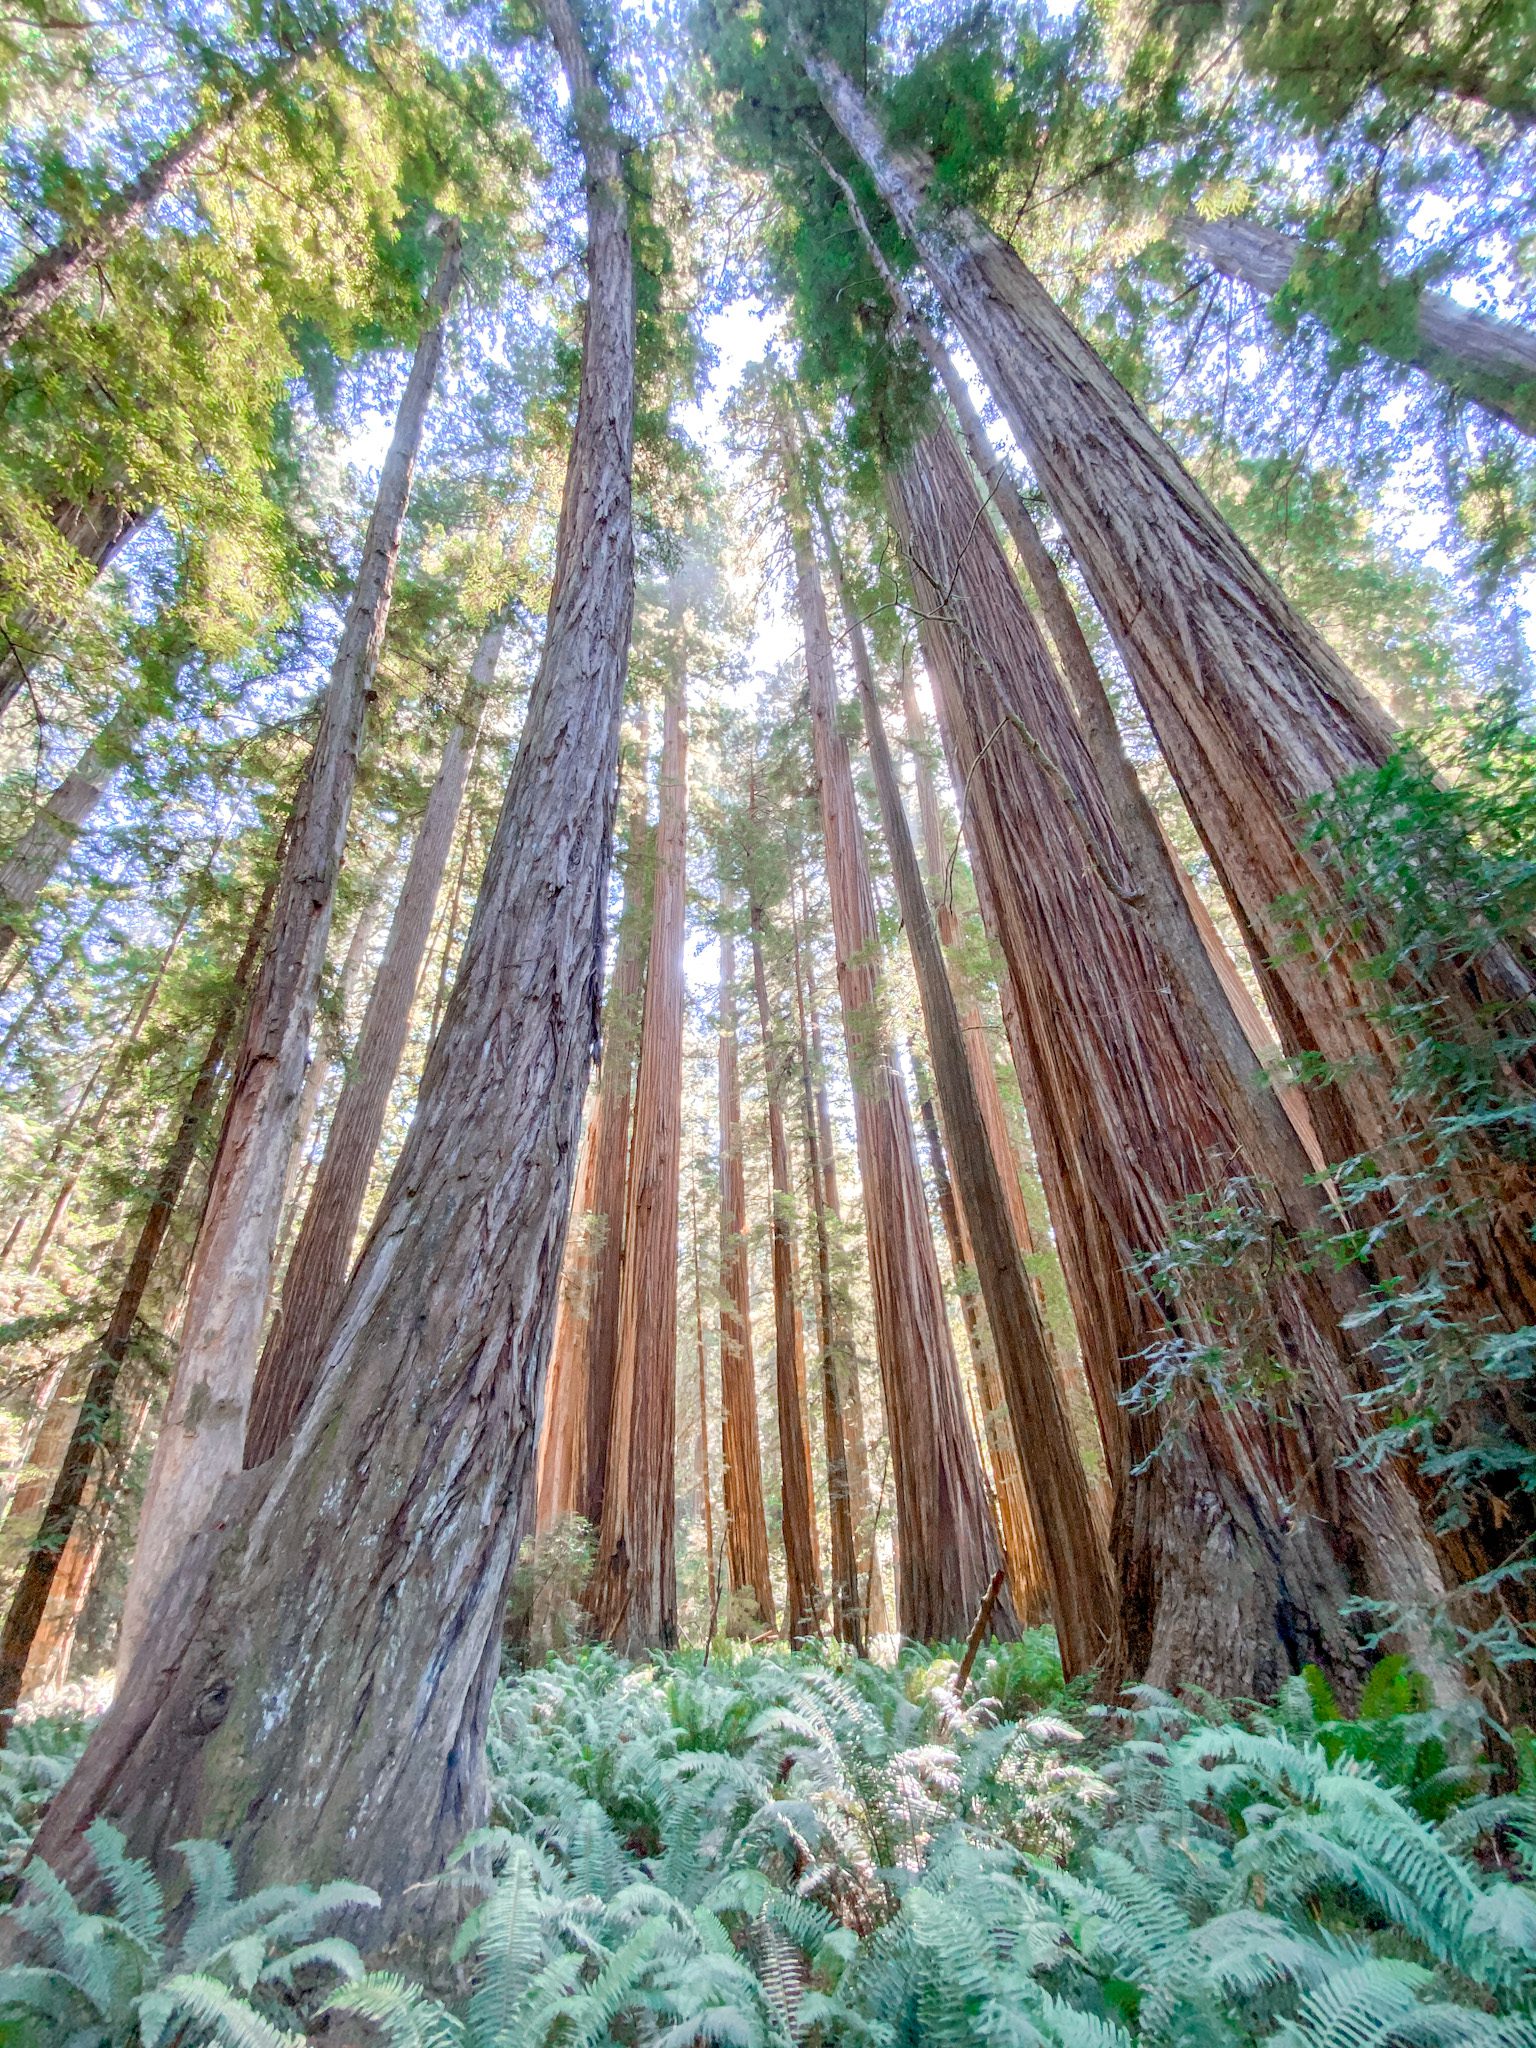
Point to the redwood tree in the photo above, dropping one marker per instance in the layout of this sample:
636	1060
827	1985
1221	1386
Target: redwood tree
633	1594
322	1667
202	1433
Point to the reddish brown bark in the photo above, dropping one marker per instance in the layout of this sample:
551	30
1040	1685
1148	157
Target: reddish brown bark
802	1565
322	1668
317	1271
1224	1582
741	1459
1257	718
706	1484
947	1547
633	1594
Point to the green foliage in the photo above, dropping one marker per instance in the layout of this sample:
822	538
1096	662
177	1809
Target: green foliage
242	1972
38	1756
789	1848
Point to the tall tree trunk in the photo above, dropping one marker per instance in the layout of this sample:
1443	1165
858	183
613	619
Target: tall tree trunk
48	841
202	1436
874	1605
1224	1582
741	1455
1490	361
586	1339
361	1580
850	1620
706	1484
54	271
1257	718
96	528
1082	1589
317	1272
802	1593
1027	1580
947	1547
97	1410
634	1579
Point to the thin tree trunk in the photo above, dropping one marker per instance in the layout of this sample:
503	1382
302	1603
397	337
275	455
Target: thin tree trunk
361	1581
1257	718
97	1409
802	1591
634	1580
317	1272
873	1605
947	1547
741	1455
50	838
1224	1583
586	1340
849	1618
54	271
706	1485
202	1435
96	529
563	1434
1027	1577
1490	361
1082	1588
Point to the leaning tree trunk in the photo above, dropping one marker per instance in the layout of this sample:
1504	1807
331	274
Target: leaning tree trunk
48	841
947	1546
741	1453
202	1435
1476	355
1225	1583
96	1413
96	528
320	1676
802	1566
54	271
317	1270
633	1594
1082	1589
1258	719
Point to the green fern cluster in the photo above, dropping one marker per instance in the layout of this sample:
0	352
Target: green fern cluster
773	1850
38	1756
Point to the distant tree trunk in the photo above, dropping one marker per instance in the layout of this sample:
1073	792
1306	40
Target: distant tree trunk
317	1272
1021	1544
874	1606
706	1485
202	1435
96	529
1490	361
54	271
947	1548
741	1460
50	838
1224	1583
633	1594
579	1401
96	1413
370	1564
1082	1588
802	1595
1257	718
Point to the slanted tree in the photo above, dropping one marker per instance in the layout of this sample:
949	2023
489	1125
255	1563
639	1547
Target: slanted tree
202	1435
316	1276
633	1593
370	1564
947	1546
1220	1578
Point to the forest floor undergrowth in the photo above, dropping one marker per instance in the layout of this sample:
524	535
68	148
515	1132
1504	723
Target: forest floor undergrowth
784	1848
